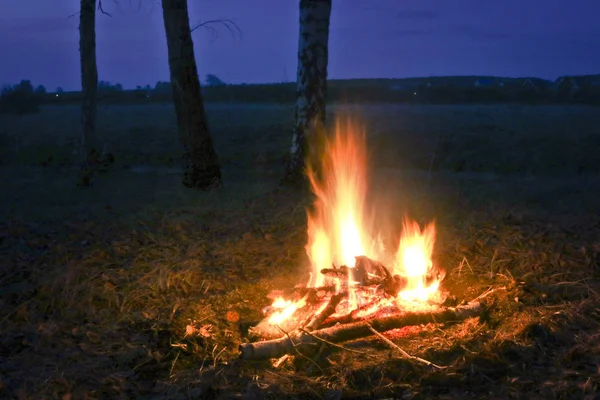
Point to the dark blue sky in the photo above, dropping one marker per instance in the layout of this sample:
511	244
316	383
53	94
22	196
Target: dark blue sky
369	38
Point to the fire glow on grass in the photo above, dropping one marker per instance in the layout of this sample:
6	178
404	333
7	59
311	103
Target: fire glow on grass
339	230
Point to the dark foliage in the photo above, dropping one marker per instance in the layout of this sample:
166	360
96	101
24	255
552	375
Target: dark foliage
213	80
437	90
21	98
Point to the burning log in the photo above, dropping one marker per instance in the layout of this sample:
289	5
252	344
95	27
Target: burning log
315	295
368	272
316	322
351	316
341	333
371	267
321	290
365	271
333	272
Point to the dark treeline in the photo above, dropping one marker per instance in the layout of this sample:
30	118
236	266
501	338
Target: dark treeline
439	90
534	91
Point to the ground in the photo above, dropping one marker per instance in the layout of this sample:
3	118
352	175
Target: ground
98	286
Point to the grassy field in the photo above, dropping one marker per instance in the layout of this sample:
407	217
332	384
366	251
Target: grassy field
98	285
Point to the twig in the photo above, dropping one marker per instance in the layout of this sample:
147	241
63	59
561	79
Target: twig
229	24
404	353
7	316
173	364
333	344
461	265
351	316
316	322
316	358
488	292
296	349
280	361
102	9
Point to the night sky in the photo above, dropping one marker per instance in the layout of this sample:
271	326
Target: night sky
368	39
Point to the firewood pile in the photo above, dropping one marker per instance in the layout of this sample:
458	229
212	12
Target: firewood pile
322	314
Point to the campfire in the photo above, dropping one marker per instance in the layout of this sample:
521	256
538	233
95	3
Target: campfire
355	282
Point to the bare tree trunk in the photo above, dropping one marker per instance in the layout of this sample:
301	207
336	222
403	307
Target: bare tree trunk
311	82
89	87
201	161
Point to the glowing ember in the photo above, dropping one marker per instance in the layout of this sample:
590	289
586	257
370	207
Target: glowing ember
340	230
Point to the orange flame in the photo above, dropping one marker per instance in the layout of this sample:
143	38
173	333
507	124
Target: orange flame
339	227
413	261
284	309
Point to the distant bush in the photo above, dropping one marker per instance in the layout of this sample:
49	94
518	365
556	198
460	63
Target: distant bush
213	80
21	98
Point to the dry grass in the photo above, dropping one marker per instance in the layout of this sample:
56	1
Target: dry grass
133	288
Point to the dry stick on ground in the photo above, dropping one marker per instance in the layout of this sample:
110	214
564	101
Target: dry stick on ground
316	358
339	346
278	363
464	260
404	353
488	292
284	345
294	346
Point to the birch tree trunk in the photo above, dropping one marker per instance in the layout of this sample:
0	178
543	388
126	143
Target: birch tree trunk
202	170
311	82
89	87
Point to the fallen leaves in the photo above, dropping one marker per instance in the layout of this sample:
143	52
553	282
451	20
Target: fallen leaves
204	331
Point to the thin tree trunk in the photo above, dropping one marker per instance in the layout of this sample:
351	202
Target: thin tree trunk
89	87
202	169
311	82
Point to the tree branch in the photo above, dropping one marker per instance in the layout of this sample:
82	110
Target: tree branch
102	9
229	24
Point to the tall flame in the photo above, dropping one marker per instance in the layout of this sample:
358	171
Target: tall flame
340	229
338	226
413	261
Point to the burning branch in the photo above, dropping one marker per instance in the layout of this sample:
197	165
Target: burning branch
368	272
352	316
341	333
316	322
